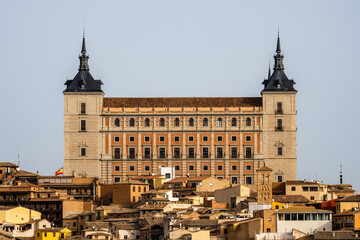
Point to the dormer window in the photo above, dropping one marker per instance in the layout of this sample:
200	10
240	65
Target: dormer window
82	86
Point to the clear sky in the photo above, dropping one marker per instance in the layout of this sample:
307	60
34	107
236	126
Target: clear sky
182	48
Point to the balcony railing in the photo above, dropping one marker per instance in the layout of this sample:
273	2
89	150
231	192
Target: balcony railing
279	129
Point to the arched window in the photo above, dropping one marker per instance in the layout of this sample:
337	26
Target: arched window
233	122
248	122
117	122
177	122
267	179
219	122
132	122
191	122
262	179
205	122
147	122
162	122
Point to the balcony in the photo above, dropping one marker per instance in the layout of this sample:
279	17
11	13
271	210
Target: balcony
279	111
279	129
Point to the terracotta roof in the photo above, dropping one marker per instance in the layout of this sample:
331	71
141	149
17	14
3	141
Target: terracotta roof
109	207
353	198
299	182
197	223
290	199
24	173
131	182
302	209
334	235
147	177
183	102
348	213
152	206
188	179
83	180
264	168
7	164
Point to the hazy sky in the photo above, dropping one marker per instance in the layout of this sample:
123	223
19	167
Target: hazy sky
182	48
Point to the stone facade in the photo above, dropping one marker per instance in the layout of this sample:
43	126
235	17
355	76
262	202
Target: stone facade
115	139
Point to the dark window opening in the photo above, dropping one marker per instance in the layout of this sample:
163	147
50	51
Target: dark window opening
219	152
83	108
205	152
191	152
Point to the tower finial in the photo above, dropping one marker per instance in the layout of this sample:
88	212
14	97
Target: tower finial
84	58
269	72
278	48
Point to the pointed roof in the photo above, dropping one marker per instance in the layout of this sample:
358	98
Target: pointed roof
83	81
278	81
264	168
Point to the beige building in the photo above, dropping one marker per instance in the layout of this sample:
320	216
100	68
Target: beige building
115	139
18	215
314	190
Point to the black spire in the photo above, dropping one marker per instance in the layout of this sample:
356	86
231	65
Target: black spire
278	81
83	81
341	176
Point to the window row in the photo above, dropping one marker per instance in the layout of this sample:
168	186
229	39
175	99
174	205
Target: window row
190	121
147	154
177	138
304	217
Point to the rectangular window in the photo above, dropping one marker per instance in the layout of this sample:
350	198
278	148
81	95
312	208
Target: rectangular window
234	152
147	168
248	167
83	152
176	139
131	153
305	189
233	138
191	138
162	139
147	152
116	139
234	180
83	108
117	179
219	152
248	152
177	168
279	151
301	217
293	189
131	168
191	167
132	139
219	167
248	180
205	138
117	168
219	139
83	125
206	168
279	108
116	153
176	152
205	152
233	167
191	152
146	139
161	152
313	189
280	179
279	125
248	138
293	217
287	217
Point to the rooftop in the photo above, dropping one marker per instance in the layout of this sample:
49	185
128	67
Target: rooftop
302	209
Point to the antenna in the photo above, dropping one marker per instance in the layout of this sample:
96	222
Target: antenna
341	175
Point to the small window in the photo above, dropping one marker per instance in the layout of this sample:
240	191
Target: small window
233	167
279	125
219	167
205	122
162	122
131	168
147	122
293	189
234	153
248	138
279	108
312	198
206	168
233	122
176	139
191	167
191	152
248	167
205	139
139	189
248	122
146	139
83	152
83	108
280	179
248	152
132	122
279	151
147	168
233	138
219	138
219	122
117	168
117	179
191	138
177	168
234	180
116	139
248	180
191	122
117	122
131	139
83	125
162	139
176	122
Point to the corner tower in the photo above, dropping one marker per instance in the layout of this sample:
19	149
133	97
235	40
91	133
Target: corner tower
279	121
83	100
